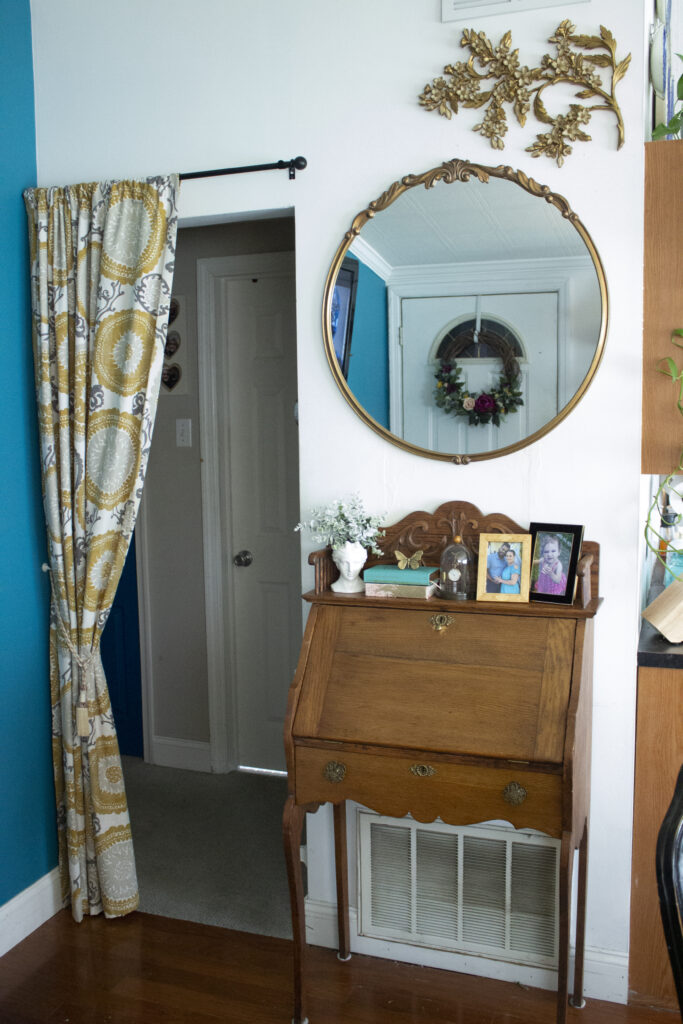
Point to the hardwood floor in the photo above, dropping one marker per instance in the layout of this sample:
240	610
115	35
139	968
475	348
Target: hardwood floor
155	970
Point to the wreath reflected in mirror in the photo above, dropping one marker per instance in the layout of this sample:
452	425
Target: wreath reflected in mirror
451	393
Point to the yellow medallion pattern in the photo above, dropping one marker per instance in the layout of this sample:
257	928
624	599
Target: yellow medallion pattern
101	273
113	457
135	234
105	559
124	350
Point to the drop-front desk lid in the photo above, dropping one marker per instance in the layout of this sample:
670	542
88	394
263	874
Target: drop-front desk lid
489	685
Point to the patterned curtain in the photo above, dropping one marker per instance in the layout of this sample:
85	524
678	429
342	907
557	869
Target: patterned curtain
101	271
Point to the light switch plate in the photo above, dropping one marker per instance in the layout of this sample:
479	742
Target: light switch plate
183	433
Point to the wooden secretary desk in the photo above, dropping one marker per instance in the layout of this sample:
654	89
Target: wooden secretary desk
463	710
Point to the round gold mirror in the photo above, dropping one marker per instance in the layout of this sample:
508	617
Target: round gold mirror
465	312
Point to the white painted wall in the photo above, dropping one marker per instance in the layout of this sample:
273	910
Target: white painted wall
157	85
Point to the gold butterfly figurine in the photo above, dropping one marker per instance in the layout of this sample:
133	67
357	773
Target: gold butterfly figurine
409	561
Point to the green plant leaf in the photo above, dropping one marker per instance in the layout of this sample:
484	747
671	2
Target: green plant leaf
672	128
672	370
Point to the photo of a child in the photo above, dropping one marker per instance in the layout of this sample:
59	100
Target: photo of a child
549	576
553	562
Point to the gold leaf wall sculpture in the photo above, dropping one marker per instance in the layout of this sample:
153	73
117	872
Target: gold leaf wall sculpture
465	84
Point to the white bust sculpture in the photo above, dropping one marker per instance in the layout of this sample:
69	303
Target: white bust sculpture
349	559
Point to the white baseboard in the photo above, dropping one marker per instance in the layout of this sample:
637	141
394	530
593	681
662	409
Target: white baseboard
29	909
605	973
174	753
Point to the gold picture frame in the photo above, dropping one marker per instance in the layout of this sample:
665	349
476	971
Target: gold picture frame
509	580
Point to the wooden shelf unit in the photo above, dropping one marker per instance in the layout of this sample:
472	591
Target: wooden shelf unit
659	726
663	304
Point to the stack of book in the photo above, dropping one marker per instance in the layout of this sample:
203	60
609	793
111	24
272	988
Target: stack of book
390	581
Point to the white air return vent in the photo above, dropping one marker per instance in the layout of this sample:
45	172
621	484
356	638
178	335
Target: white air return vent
460	10
487	889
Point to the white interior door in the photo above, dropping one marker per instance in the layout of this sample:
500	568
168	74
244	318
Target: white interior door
259	495
532	316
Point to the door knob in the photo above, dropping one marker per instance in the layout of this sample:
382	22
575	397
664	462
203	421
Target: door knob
243	559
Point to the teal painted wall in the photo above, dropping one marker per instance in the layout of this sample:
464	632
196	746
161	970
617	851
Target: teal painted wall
369	364
28	848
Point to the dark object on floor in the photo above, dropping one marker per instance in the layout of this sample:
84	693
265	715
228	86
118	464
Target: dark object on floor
670	883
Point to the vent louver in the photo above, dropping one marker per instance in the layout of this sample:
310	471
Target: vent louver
391	878
487	889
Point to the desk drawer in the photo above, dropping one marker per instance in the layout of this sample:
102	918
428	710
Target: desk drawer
459	794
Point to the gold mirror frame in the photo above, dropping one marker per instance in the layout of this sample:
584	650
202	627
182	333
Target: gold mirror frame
450	172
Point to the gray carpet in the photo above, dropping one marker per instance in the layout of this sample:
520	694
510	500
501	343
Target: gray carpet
208	848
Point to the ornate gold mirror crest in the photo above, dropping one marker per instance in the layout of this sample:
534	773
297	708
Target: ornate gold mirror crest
523	87
465	246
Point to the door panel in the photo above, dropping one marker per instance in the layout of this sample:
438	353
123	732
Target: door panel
261	501
533	318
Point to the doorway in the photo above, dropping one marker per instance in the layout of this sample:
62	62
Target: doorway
219	640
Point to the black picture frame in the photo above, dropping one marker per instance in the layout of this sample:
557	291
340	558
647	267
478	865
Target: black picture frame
343	310
567	539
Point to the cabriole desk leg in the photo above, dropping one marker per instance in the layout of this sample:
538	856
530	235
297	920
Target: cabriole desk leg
292	826
341	864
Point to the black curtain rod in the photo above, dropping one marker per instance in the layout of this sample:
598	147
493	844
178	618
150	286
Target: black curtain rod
297	164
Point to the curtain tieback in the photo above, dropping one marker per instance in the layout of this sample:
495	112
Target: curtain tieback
84	662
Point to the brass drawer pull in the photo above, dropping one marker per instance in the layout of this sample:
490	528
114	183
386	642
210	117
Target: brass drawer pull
334	771
514	794
441	621
423	771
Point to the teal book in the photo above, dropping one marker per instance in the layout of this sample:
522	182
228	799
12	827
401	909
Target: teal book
408	577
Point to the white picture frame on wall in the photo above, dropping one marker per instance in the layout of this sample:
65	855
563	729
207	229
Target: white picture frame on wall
461	10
